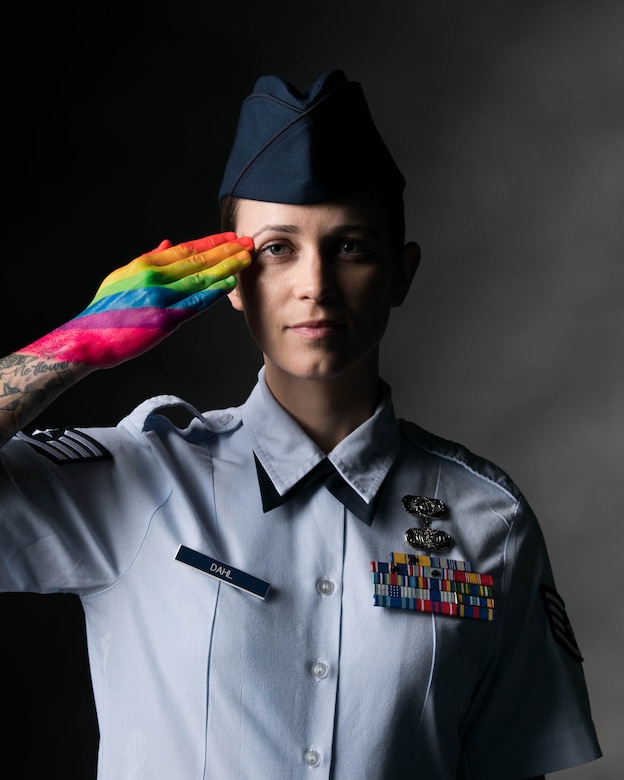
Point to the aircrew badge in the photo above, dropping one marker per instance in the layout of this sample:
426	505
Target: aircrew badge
426	538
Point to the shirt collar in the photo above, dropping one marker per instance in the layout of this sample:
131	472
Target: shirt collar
287	454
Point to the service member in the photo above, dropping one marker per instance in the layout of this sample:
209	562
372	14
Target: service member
304	586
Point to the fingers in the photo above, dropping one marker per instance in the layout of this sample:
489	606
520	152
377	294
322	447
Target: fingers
211	249
220	255
209	242
206	266
164	244
236	251
201	300
209	276
164	285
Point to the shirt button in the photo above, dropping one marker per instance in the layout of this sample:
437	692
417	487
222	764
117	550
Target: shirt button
225	419
320	670
312	758
325	587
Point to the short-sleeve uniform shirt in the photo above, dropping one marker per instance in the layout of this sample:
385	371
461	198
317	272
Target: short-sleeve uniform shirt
195	678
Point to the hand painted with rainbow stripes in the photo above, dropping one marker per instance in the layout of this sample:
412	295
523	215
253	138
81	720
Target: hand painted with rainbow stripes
140	304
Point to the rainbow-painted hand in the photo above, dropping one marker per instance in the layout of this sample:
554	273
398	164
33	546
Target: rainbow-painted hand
140	304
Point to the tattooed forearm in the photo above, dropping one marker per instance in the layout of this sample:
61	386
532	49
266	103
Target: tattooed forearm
11	397
20	364
28	383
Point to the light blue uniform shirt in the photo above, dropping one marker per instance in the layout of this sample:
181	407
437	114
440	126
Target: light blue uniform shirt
197	680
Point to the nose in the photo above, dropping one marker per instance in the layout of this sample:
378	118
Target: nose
314	276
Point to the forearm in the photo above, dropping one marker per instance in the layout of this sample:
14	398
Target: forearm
28	384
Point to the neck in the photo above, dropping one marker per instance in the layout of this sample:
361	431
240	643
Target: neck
327	409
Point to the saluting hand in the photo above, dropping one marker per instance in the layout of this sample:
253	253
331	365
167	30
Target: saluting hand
140	304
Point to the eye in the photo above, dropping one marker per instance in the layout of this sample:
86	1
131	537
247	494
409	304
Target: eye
354	247
274	249
350	246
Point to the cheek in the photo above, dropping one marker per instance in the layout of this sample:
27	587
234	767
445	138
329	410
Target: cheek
260	293
248	281
372	287
371	305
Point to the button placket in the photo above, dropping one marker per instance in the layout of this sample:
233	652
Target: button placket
321	665
320	669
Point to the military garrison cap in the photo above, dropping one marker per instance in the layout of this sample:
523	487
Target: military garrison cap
311	147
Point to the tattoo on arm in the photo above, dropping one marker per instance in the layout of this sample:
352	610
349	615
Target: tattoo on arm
27	384
20	364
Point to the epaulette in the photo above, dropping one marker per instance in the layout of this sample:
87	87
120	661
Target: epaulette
458	453
65	445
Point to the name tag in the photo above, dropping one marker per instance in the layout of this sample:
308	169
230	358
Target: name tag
223	572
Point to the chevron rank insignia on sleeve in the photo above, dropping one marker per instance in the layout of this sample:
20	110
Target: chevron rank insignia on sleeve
559	622
65	445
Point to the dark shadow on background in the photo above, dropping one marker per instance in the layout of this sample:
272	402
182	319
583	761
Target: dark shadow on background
49	722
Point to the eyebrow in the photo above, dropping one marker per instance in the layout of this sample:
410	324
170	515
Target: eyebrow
337	230
277	229
355	228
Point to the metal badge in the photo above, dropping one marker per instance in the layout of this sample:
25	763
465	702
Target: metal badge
425	537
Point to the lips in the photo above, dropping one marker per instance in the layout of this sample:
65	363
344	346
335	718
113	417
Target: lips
317	329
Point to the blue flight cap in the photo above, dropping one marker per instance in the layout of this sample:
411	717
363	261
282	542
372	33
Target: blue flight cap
312	147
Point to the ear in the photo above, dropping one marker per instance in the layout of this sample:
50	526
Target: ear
406	266
235	299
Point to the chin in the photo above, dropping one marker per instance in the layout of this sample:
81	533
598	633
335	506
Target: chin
319	370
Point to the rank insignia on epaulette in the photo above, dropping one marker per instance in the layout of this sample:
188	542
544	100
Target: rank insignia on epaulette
65	445
559	622
428	583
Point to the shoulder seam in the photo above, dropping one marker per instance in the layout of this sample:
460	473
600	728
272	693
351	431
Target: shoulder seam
461	455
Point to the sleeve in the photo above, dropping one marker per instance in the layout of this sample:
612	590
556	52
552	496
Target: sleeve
530	714
75	506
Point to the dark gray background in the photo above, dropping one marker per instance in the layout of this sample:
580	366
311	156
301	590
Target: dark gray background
507	119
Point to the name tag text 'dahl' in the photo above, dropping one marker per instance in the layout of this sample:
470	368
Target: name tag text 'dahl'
223	572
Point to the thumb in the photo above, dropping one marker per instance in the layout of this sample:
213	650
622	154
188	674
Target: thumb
164	244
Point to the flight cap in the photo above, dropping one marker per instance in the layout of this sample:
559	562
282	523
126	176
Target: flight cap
307	147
